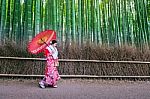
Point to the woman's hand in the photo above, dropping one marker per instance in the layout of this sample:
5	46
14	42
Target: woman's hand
56	62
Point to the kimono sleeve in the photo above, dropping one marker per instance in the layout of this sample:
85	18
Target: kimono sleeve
47	53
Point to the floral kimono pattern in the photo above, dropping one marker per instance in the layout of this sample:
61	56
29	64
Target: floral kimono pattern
51	72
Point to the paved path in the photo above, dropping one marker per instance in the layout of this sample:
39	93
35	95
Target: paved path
75	89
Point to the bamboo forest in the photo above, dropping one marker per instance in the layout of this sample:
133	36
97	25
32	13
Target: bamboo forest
103	22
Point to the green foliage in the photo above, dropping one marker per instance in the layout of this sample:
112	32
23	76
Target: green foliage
104	22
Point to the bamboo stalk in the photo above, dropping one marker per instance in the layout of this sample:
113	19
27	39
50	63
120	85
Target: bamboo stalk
37	17
110	22
79	22
54	14
73	23
2	20
7	27
68	20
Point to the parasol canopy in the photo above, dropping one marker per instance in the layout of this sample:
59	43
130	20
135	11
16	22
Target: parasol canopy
40	41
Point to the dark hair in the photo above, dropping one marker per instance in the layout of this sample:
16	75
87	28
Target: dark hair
54	41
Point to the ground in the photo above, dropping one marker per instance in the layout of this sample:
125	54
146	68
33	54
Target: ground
75	89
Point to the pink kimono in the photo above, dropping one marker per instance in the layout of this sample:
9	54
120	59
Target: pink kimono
51	72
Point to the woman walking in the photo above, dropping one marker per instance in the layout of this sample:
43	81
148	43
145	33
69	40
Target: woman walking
51	73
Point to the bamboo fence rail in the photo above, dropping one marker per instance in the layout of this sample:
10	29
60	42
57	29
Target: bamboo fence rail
74	60
77	60
72	76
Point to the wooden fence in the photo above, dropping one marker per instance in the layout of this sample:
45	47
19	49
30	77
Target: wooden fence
141	67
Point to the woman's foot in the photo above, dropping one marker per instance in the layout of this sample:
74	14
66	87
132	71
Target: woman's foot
41	84
55	86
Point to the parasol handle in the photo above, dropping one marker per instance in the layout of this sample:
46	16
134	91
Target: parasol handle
44	42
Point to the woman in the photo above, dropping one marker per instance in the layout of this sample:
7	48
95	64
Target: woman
51	72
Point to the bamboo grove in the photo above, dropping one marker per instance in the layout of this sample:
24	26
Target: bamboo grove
103	22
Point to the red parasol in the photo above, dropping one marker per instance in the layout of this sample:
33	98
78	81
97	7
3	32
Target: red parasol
40	41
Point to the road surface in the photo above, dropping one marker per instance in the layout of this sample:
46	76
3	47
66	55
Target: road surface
75	89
